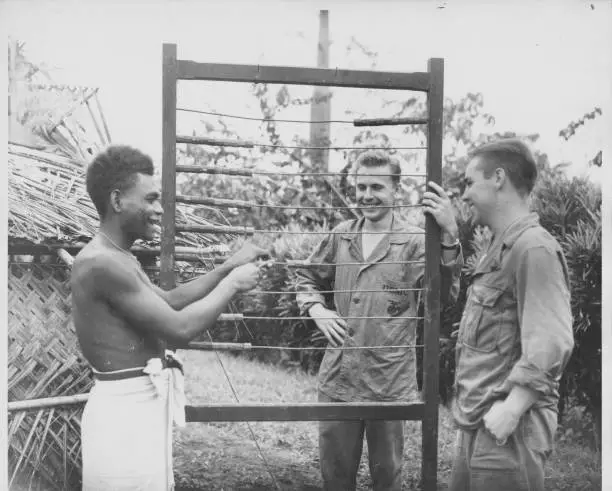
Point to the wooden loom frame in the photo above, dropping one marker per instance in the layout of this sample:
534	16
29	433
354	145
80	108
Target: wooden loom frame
430	82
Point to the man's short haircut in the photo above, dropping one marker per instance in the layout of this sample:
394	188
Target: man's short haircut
514	157
115	168
379	158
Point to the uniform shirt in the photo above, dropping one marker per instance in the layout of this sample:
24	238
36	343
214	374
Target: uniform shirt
517	323
376	289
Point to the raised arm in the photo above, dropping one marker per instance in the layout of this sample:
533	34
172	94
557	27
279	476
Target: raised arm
437	203
187	293
141	307
545	320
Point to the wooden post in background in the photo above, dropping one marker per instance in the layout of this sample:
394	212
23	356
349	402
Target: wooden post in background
320	109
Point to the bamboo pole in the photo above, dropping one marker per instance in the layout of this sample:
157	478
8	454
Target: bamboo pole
74	107
47	402
208	346
65	256
108	137
96	125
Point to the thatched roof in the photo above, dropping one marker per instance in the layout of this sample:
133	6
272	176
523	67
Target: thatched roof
47	197
48	201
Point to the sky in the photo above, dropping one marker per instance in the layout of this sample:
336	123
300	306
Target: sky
538	64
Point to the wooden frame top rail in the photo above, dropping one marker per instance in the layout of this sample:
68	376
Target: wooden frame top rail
331	77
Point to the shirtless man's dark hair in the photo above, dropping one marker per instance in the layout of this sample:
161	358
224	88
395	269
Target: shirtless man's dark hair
115	168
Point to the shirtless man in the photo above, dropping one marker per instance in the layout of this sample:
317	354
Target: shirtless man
123	323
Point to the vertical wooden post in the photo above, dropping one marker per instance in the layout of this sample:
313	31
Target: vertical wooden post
432	282
320	109
167	280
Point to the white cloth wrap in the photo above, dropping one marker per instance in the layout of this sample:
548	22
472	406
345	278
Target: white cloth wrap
175	386
126	430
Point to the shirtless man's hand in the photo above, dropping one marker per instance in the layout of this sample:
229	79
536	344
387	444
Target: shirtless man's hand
244	277
248	253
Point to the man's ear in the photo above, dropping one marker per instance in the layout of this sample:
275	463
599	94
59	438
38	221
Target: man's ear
115	200
500	178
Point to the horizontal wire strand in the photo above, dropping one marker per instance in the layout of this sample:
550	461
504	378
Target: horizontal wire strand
340	348
237	230
198	111
311	232
299	207
296	147
232	171
316	174
379	317
364	263
393	290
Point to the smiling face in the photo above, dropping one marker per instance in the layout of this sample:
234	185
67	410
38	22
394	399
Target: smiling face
141	209
480	193
375	191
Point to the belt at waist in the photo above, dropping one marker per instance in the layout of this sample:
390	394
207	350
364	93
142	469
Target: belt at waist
167	362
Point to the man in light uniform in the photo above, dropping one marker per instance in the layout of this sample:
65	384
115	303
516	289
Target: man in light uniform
374	264
515	337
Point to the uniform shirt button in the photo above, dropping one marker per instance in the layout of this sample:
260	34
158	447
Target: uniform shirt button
356	300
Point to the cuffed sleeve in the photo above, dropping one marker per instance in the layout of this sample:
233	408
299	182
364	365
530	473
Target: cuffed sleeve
451	277
450	274
545	320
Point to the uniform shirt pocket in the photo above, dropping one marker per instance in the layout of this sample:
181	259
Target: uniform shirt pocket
482	319
398	294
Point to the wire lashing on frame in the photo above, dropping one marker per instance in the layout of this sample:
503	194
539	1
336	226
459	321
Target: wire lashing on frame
214	346
354	122
195	140
231	171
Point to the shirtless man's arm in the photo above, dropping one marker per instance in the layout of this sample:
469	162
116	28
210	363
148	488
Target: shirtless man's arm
187	293
139	305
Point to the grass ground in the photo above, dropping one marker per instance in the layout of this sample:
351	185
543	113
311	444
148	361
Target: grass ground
224	456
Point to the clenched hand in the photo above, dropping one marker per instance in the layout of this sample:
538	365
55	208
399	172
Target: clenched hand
248	253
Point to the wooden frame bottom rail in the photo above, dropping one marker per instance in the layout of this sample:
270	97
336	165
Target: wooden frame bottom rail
306	412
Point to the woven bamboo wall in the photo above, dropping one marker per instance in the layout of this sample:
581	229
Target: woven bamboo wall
43	361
